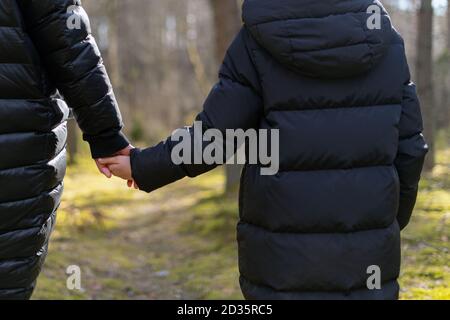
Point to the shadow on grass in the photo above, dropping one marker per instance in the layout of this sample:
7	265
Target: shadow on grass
214	218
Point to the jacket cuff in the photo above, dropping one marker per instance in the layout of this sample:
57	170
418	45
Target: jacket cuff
153	168
106	146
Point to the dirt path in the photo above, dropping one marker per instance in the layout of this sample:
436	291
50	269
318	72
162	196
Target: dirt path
136	248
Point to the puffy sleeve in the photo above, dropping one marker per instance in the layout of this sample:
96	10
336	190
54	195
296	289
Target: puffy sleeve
233	103
60	30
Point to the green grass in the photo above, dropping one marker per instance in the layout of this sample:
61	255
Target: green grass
179	242
426	259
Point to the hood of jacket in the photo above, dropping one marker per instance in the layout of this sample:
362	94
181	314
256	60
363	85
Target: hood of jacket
321	39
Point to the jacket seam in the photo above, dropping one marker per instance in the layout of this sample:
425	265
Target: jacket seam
287	109
343	291
307	233
304	18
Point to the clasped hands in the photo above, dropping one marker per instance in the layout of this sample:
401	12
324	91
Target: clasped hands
118	165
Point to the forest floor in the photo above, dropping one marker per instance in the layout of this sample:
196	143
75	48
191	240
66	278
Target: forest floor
179	242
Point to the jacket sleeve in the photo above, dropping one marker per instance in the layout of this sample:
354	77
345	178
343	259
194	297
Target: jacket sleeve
233	103
411	153
60	30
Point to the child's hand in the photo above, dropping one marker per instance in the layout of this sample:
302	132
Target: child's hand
120	166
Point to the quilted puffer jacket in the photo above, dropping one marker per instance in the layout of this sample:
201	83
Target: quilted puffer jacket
39	54
351	149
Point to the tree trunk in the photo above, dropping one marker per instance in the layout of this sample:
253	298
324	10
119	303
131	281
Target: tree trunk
448	25
72	140
444	86
424	70
227	23
112	54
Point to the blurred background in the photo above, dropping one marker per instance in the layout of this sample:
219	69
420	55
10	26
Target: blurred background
163	58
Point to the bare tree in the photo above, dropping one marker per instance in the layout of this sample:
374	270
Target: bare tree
448	25
424	70
227	24
72	140
443	79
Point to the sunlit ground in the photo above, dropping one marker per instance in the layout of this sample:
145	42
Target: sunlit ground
179	243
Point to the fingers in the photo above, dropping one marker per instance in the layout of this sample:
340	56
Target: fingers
118	166
106	172
132	184
115	169
126	151
109	161
103	169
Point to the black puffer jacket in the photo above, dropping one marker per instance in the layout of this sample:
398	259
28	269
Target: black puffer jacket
39	54
351	148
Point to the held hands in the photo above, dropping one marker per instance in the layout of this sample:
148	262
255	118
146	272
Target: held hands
119	166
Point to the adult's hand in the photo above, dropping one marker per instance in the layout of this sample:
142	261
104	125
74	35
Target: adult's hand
104	169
